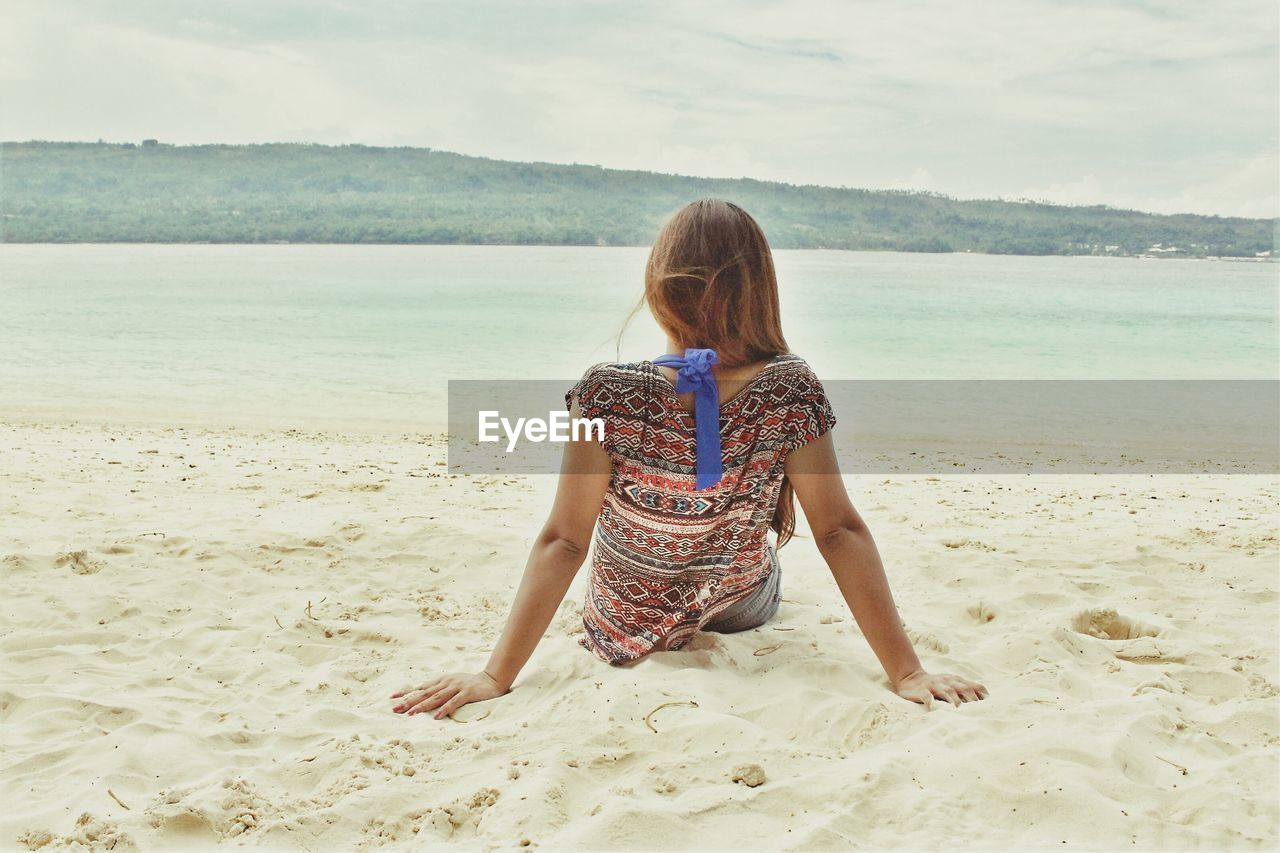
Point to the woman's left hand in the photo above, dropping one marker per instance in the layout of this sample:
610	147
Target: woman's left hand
448	693
924	687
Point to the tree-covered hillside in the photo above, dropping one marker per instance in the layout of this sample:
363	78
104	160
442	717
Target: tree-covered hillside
100	192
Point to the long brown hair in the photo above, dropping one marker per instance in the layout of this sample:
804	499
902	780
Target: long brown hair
710	283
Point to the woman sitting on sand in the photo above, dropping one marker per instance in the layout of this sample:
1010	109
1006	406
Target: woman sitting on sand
681	511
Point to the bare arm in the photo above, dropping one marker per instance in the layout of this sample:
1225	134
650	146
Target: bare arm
849	551
556	556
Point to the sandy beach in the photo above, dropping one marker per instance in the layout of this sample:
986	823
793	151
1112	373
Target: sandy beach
202	627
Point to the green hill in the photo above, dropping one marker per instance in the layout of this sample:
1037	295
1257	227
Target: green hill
99	192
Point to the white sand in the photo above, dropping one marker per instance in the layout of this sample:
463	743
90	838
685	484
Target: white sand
159	647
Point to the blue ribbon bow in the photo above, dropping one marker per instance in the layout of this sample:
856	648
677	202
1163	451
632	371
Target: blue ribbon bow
693	373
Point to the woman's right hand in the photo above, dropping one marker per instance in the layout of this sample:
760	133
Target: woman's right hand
924	687
448	693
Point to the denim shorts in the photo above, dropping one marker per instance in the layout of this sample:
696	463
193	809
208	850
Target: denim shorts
754	610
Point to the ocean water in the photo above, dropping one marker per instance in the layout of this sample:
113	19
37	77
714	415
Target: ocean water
368	336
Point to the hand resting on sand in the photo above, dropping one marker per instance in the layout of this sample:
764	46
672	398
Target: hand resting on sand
448	693
923	687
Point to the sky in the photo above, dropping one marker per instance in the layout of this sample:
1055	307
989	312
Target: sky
1171	107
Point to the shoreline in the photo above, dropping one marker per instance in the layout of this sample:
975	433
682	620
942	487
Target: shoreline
1160	256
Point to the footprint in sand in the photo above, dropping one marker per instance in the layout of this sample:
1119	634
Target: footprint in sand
79	562
16	561
1123	638
1214	685
1106	623
981	612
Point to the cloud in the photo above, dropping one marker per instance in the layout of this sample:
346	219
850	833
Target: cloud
1127	103
920	180
1203	188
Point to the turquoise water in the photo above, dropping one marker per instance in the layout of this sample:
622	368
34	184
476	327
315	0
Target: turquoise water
368	335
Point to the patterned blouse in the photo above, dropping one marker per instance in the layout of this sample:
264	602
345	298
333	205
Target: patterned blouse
667	559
